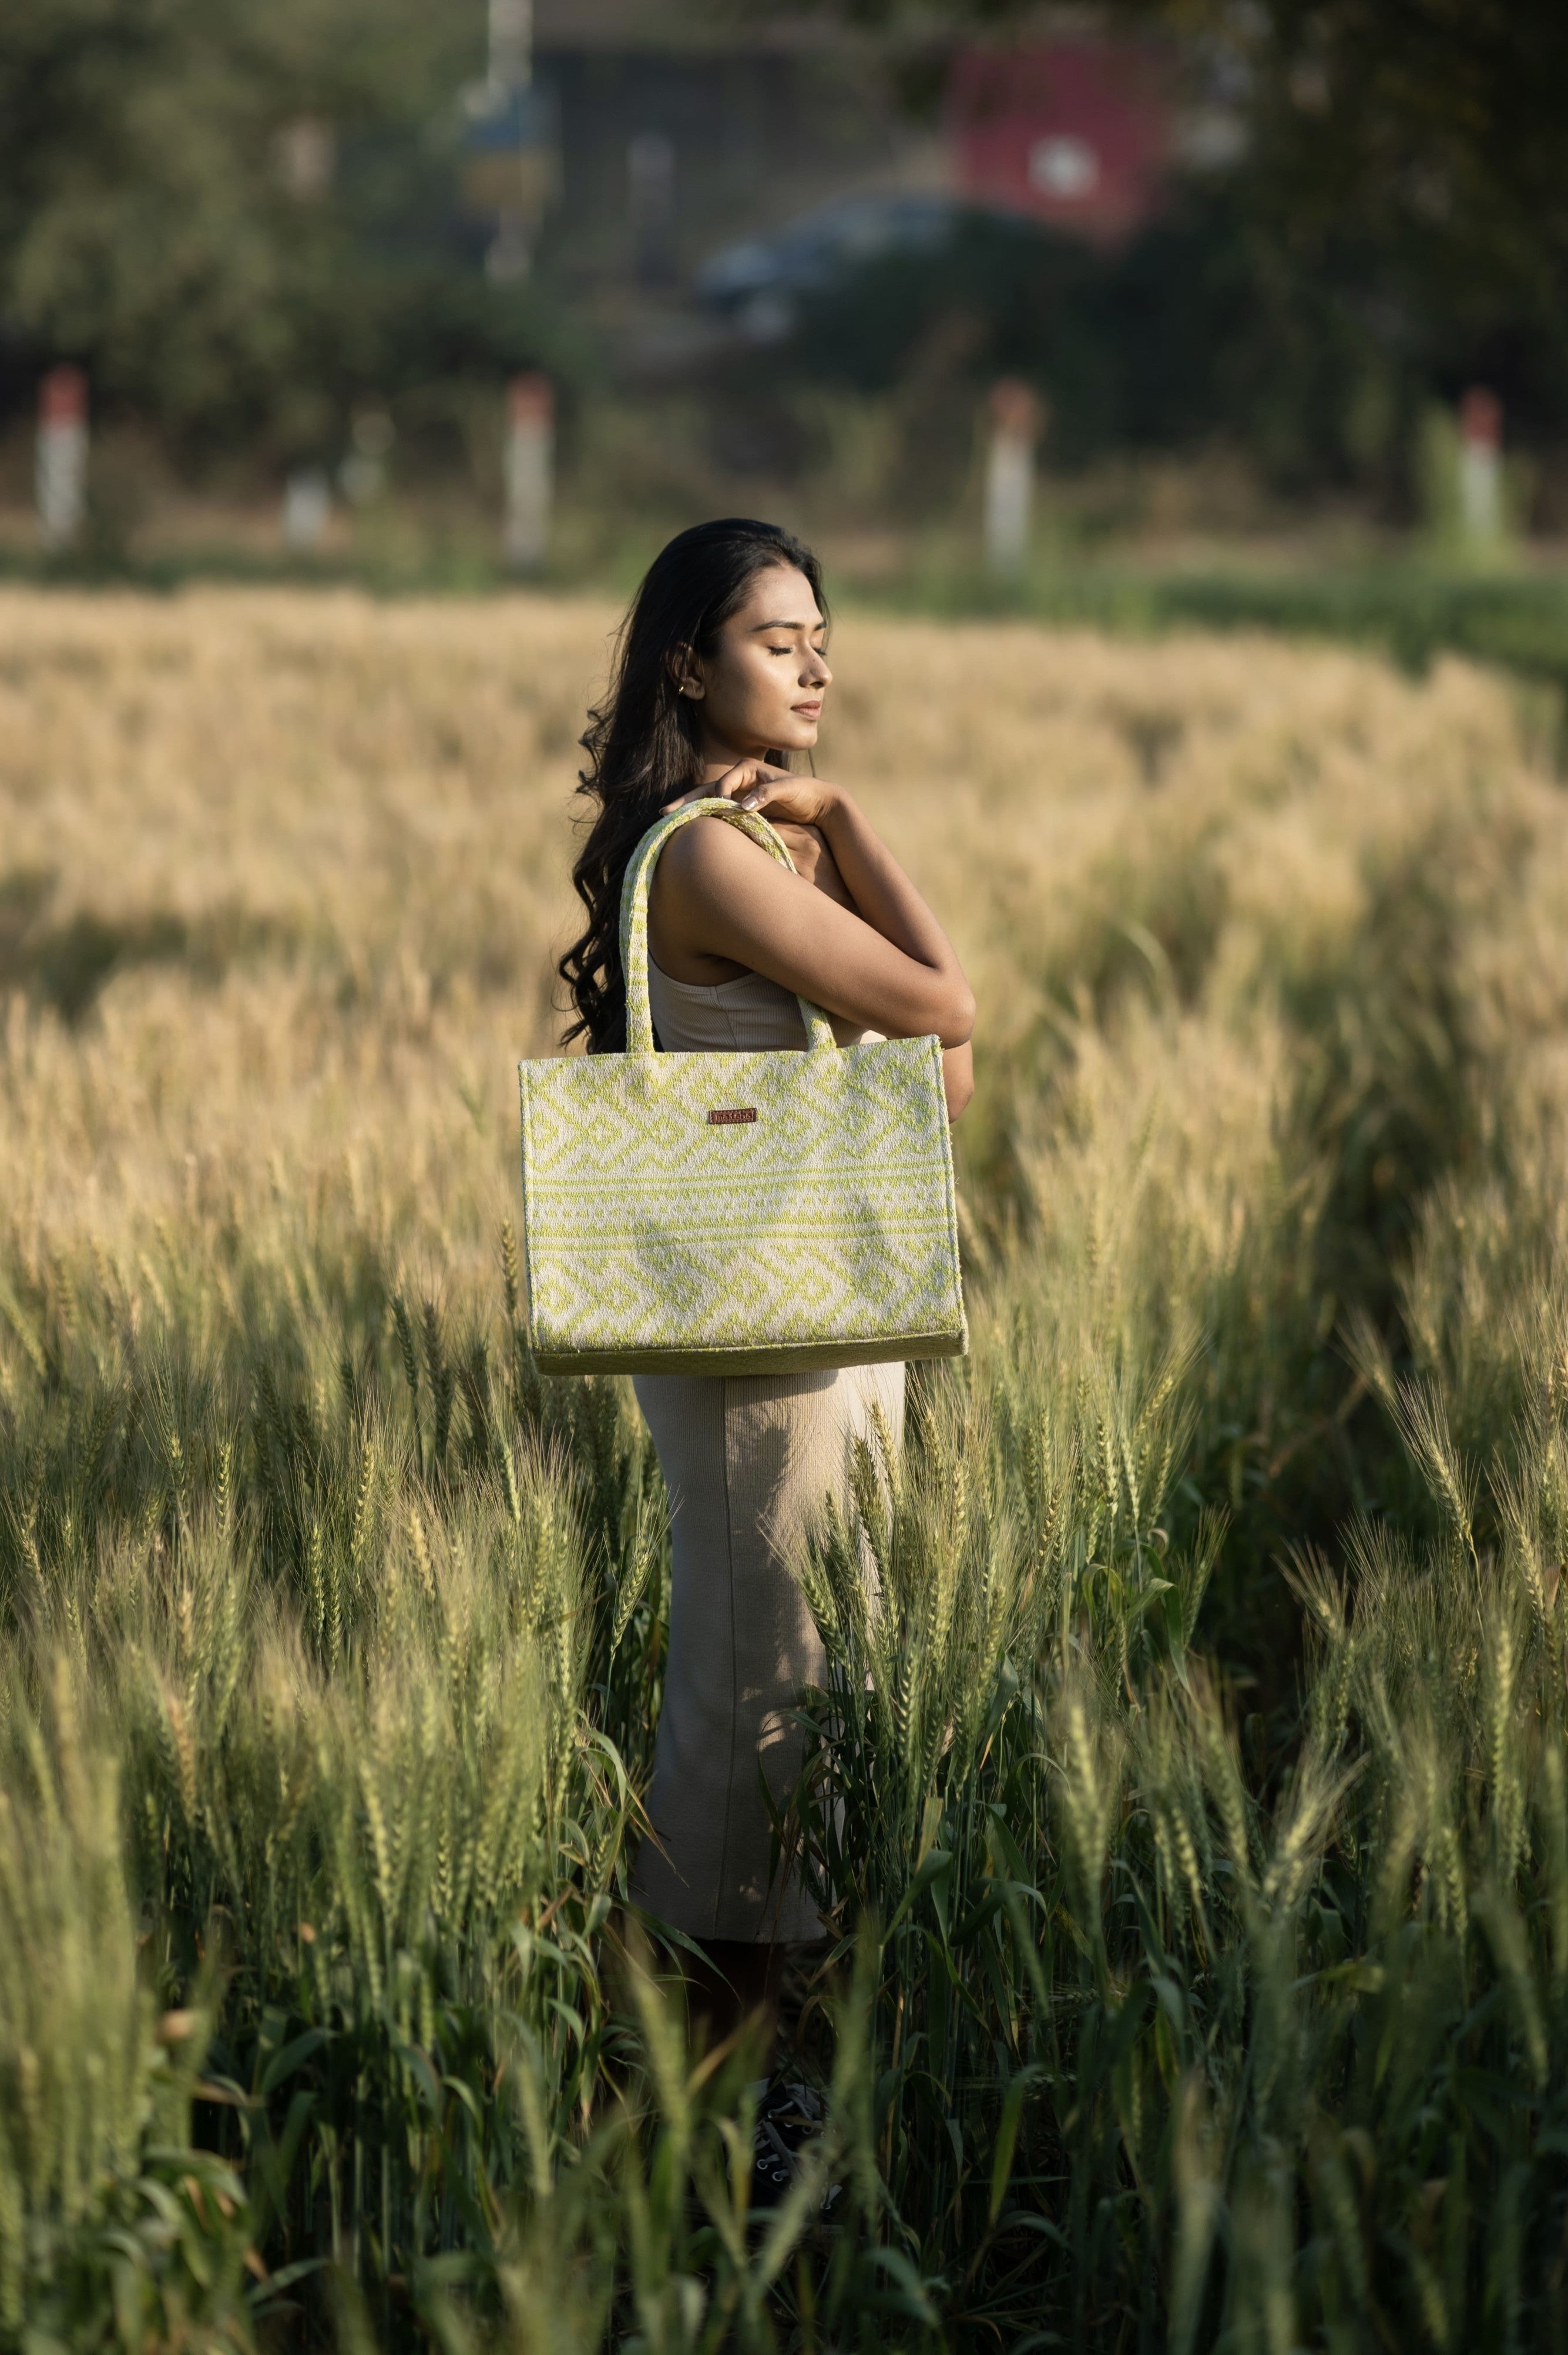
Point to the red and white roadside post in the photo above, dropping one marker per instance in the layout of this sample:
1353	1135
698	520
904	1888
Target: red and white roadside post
1016	422
529	471
1481	468
60	474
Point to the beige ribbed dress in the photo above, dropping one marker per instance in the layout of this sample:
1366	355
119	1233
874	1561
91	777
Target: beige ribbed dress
748	1464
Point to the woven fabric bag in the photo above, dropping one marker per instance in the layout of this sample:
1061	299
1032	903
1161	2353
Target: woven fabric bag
736	1213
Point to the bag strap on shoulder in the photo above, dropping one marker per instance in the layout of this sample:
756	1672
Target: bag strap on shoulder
634	916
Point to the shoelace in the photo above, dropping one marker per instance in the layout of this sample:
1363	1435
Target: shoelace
791	2115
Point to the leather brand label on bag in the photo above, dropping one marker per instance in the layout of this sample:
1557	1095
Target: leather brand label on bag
733	1116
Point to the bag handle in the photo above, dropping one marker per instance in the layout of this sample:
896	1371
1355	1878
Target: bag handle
634	917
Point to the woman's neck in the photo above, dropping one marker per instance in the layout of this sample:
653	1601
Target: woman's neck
715	762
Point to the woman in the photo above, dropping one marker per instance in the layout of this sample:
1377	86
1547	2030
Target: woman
720	680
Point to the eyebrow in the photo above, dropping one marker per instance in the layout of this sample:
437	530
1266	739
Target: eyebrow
820	624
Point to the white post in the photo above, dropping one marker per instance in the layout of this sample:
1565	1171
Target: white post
61	462
1010	475
1481	468
307	508
529	471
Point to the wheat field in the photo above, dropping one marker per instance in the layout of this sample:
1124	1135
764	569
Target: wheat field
1193	1817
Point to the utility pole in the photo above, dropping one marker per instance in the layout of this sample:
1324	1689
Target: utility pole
508	80
511	44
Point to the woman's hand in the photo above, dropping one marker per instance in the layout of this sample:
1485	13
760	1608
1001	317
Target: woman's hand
785	800
779	795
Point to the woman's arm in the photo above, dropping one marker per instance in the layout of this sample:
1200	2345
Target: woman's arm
885	964
808	846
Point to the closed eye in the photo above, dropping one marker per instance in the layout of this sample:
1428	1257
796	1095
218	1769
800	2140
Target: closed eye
819	637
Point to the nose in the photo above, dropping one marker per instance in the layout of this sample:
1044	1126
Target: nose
816	671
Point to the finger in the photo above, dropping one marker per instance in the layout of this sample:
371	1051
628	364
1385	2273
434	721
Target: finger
740	779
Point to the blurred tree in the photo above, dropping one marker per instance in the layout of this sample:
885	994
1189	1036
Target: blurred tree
1396	224
242	216
1437	118
1411	150
1443	115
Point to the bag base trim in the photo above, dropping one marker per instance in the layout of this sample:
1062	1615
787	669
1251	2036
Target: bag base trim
787	1358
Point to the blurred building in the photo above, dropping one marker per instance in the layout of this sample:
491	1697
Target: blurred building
682	125
686	124
753	159
1078	132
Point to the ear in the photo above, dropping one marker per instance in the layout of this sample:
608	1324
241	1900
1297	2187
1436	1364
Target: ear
687	673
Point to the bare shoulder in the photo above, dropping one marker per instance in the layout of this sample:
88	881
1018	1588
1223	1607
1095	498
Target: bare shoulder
712	854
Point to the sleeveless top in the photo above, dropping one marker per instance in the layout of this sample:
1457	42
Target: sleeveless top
749	1012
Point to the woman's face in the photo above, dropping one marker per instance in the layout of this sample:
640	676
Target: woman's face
762	688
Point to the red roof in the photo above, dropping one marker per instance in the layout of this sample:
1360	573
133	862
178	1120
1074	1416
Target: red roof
1077	132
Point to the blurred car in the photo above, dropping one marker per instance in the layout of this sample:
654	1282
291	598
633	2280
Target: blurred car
761	283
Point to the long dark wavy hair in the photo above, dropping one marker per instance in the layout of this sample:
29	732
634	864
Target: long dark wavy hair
641	741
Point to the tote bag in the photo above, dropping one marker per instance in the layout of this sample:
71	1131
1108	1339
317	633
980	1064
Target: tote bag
736	1213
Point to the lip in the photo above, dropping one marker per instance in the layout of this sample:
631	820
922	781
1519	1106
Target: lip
808	710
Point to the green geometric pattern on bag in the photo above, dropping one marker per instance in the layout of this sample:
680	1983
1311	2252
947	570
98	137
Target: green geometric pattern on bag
731	1212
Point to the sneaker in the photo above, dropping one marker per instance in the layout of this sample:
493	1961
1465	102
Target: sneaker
790	2116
